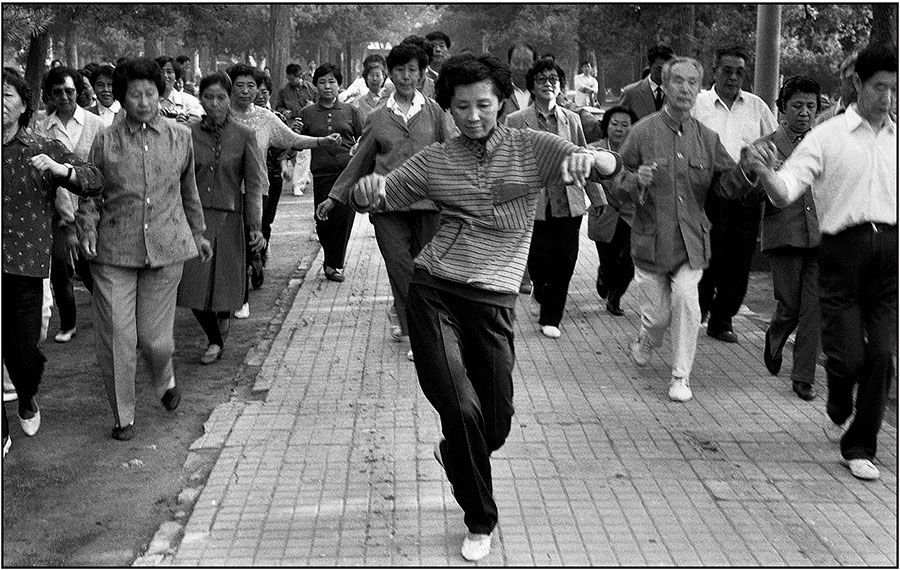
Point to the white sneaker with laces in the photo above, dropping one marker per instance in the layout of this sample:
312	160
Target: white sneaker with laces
476	546
641	350
243	312
680	389
550	331
861	468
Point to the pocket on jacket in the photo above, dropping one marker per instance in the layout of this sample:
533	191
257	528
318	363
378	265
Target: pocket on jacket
504	192
700	173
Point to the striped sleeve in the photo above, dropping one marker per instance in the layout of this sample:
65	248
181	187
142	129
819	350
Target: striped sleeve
549	152
408	183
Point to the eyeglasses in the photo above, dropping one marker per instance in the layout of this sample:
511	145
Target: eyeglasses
60	91
551	79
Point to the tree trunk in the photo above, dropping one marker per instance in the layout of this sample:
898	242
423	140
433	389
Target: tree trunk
348	63
884	25
35	66
279	50
71	46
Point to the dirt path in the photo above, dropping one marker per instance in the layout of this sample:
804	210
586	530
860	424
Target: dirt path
72	496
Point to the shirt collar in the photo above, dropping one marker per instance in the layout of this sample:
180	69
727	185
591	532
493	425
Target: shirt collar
114	108
23	137
653	85
336	107
481	150
854	120
740	97
672	122
155	123
391	103
551	111
54	120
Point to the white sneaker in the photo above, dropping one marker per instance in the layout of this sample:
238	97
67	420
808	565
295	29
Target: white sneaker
64	336
550	331
680	389
243	312
10	395
833	432
476	546
409	356
861	468
7	443
31	425
641	350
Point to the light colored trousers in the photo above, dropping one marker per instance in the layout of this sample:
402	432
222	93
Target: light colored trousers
134	311
671	299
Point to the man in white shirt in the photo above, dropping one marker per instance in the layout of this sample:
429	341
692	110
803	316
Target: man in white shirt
440	45
586	86
75	128
739	118
646	95
850	161
107	108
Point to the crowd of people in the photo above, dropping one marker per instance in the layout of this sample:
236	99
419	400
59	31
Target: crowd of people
157	190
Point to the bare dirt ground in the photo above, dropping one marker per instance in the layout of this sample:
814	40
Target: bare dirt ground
72	496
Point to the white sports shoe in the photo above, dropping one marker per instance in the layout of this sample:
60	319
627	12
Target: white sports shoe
861	468
641	350
243	312
476	546
550	331
680	389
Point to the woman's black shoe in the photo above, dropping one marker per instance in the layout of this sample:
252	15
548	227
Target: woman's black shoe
614	309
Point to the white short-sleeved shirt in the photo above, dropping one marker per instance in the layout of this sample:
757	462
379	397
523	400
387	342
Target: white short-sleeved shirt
748	119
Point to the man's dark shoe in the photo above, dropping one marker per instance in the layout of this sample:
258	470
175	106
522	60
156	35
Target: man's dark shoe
123	433
773	365
804	391
613	308
602	289
171	398
724	335
257	277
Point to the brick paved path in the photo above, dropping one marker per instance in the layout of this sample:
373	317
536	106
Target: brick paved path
334	466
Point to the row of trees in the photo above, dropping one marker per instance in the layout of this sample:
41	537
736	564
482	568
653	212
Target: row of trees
815	37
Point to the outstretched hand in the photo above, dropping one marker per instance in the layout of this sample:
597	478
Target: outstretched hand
369	192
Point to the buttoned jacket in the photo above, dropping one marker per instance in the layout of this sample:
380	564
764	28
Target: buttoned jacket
568	126
638	97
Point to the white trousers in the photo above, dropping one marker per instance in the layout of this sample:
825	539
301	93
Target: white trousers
671	299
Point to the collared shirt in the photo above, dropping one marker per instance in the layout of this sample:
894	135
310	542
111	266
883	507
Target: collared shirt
670	227
487	194
108	114
290	99
852	169
319	121
747	120
523	98
28	201
417	103
69	134
583	81
150	210
183	103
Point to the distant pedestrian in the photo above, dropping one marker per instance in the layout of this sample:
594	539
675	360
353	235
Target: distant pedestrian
850	161
138	235
33	168
463	293
107	107
177	105
230	183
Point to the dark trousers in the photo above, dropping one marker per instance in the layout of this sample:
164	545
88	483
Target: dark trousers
795	279
22	301
334	233
61	273
551	262
464	361
269	207
858	295
210	323
735	226
616	266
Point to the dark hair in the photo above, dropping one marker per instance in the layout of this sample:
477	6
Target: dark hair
325	69
660	51
548	55
136	69
182	59
122	60
438	36
876	58
12	78
57	76
798	84
423	44
467	69
55	61
164	59
733	51
585	62
239	69
544	64
607	117
264	80
404	53
517	45
106	70
292	69
216	78
89	68
310	60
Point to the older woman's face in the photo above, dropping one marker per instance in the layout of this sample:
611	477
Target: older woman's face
406	77
215	101
262	96
103	88
327	86
169	75
375	79
13	106
474	109
141	100
619	125
64	96
244	90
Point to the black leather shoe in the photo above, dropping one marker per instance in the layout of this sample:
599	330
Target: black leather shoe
171	398
613	308
334	274
804	391
602	289
123	433
724	336
773	365
257	275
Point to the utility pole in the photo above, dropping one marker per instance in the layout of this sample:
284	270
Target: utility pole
768	48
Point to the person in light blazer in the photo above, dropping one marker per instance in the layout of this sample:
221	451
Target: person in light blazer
554	246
